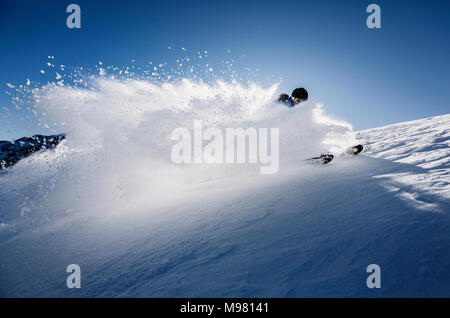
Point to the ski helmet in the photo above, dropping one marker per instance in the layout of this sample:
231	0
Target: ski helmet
299	95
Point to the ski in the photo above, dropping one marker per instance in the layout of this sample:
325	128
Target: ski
354	150
327	158
322	159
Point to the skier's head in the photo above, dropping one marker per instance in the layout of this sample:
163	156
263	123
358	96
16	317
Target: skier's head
299	95
283	98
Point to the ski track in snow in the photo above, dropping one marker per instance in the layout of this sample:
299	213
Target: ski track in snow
307	232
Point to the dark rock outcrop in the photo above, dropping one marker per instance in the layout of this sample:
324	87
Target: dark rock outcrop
12	152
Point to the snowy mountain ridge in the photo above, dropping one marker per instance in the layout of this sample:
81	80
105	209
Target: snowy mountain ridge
423	143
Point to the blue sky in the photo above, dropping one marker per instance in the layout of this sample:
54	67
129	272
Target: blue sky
369	77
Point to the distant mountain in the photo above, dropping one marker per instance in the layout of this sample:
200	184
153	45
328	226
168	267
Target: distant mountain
12	152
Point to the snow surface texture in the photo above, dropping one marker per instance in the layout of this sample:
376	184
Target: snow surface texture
109	199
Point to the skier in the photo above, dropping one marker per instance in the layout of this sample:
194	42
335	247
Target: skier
298	96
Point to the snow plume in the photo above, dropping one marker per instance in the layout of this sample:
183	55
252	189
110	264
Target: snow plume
117	154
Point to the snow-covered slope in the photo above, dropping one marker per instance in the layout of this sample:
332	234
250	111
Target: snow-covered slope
308	232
